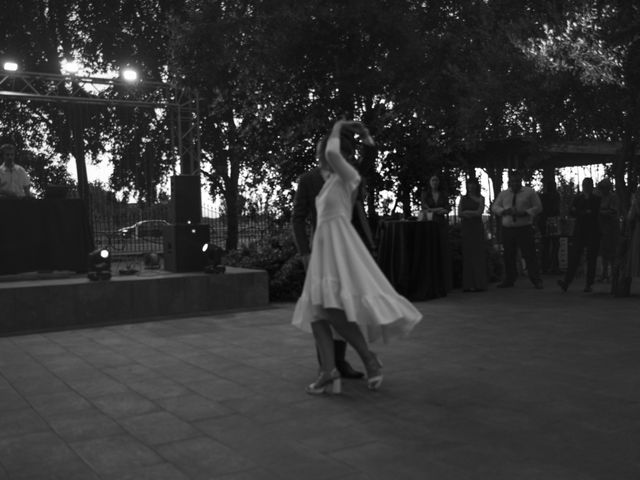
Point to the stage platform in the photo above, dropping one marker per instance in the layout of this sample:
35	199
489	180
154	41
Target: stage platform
33	302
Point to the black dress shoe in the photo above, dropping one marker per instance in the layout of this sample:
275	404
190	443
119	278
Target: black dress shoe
347	371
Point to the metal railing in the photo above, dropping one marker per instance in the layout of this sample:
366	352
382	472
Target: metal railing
133	230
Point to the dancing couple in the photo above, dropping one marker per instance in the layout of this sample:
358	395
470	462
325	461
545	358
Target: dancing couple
345	293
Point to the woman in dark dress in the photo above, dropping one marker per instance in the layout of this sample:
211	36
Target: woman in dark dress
474	256
435	207
434	201
609	226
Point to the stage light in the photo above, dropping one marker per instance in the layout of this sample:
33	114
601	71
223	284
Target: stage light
212	258
69	66
10	66
151	261
129	75
99	265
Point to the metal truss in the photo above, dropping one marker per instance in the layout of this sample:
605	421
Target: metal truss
182	104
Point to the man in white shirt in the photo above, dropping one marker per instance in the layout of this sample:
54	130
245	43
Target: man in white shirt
517	206
14	180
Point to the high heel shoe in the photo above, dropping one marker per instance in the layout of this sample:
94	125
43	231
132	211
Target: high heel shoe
326	383
374	372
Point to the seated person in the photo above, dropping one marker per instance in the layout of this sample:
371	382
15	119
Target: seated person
14	180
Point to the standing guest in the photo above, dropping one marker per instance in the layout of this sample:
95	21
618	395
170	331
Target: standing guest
474	254
304	208
517	206
585	207
633	222
434	204
548	221
344	289
14	180
609	225
434	201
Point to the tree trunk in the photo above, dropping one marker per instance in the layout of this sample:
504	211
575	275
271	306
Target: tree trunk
404	195
620	168
77	130
231	200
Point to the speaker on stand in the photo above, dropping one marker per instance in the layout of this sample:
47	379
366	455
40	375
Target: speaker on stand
183	247
185	237
186	201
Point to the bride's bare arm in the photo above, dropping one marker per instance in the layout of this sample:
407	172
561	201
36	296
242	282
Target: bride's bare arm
333	154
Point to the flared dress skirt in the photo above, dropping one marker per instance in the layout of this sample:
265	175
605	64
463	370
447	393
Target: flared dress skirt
343	275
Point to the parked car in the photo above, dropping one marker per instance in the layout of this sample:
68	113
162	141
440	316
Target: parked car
144	229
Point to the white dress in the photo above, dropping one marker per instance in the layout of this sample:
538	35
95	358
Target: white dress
342	274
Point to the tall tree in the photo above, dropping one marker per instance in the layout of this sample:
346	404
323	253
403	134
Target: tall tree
102	36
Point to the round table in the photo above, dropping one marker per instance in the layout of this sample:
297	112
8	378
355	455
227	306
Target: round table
410	253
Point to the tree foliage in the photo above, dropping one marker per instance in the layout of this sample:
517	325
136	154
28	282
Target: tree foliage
440	83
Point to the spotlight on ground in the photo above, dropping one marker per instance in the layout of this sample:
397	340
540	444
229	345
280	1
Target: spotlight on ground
212	258
99	265
151	261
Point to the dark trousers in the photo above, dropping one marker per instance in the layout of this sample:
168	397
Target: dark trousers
579	243
522	238
550	249
339	350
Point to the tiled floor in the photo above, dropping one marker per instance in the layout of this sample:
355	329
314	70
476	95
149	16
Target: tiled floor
508	384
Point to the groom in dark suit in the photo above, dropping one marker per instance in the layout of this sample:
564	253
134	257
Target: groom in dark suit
304	207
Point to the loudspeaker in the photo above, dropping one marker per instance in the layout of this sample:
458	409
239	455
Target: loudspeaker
185	205
183	247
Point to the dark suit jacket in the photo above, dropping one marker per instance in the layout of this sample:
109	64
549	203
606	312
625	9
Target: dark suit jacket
304	206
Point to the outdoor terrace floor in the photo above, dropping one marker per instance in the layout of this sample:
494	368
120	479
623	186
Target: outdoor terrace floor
514	384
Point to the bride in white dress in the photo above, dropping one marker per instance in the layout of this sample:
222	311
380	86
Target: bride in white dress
344	288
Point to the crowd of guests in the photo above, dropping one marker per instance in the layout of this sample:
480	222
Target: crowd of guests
521	211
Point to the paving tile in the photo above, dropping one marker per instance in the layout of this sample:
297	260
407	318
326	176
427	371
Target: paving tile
385	460
70	470
158	427
124	404
68	366
230	429
97	385
338	439
253	474
42	384
310	465
116	454
52	404
10	400
211	362
158	387
40	452
106	359
23	370
86	424
21	422
132	372
219	389
204	458
163	471
184	373
192	407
